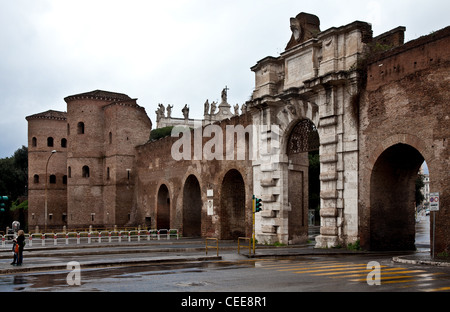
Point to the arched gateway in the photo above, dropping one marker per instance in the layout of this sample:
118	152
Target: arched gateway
192	207
392	198
163	208
232	205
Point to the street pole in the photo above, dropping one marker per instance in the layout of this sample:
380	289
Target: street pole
45	193
434	231
253	226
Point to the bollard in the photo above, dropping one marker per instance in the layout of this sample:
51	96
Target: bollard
78	238
3	241
30	240
89	237
67	238
109	237
55	239
43	239
99	237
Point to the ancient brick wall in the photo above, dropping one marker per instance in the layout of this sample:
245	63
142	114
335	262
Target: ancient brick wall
404	120
157	170
93	167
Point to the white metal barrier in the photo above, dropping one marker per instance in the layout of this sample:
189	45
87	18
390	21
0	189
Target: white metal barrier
93	236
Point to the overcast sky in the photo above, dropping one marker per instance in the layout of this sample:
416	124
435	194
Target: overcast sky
172	52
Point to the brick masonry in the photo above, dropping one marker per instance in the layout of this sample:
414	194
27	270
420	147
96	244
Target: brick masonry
404	119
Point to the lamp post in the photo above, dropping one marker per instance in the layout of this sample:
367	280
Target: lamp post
45	196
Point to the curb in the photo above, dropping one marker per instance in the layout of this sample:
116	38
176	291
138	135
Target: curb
102	264
421	262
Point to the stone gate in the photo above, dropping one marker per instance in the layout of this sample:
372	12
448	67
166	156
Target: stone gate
373	108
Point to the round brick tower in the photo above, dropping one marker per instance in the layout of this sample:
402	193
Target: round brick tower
103	129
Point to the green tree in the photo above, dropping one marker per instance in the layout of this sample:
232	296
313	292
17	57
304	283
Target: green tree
419	185
13	183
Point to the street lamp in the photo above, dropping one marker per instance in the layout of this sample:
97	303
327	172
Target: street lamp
45	196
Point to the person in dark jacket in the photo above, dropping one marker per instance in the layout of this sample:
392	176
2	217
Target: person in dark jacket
20	242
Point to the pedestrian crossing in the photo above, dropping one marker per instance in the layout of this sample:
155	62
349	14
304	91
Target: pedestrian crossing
357	272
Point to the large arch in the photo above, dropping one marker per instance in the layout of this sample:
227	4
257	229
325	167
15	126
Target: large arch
163	208
302	145
232	205
392	200
192	207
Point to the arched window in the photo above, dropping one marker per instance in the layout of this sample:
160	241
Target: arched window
34	142
52	179
36	178
64	179
63	143
69	171
80	128
85	172
50	142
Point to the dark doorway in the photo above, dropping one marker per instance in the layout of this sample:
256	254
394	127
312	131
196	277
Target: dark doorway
303	183
192	208
163	208
232	206
392	198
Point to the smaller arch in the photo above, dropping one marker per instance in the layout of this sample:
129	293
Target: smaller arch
34	142
232	205
192	207
303	137
163	207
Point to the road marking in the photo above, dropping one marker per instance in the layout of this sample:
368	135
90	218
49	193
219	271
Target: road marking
438	289
333	268
290	265
401	277
395	271
384	278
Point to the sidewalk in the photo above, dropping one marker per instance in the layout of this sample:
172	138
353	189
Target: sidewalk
421	258
38	258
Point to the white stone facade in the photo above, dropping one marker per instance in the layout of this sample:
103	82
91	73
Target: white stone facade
315	79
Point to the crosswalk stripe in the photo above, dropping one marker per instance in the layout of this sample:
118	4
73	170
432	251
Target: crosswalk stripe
326	267
384	278
336	268
438	289
303	264
400	270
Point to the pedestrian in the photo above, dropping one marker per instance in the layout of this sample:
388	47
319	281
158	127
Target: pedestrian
18	245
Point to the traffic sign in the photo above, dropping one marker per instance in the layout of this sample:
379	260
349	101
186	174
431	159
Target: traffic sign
434	201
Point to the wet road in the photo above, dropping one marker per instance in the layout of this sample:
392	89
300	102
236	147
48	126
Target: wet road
322	273
347	273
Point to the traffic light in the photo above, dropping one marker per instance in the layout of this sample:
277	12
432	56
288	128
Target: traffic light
258	204
3	200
